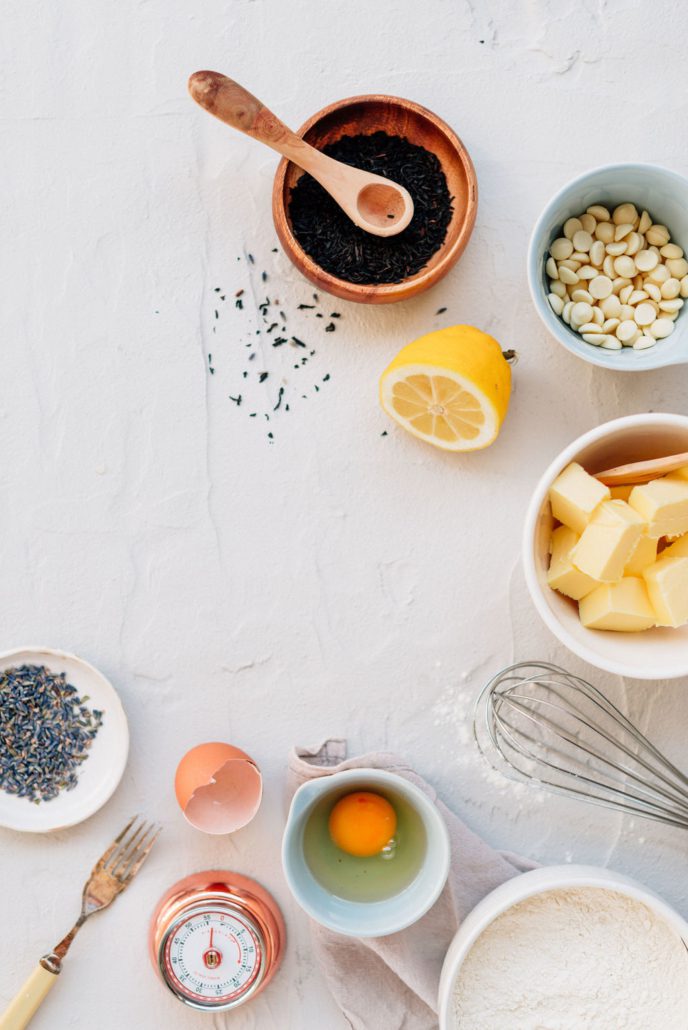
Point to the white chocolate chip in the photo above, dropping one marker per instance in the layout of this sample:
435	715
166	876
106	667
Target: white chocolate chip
671	305
626	313
615	249
587	272
582	313
652	290
597	315
588	222
601	287
566	313
658	235
571	225
582	240
625	293
645	222
611	343
634	242
684	286
623	230
637	296
644	343
580	295
662	328
610	325
594	338
556	303
608	266
646	260
625	213
558	287
589	327
604	231
660	274
645	314
599	212
619	283
670	289
551	268
567	276
625	331
561	248
624	266
678	267
611	306
597	253
671	250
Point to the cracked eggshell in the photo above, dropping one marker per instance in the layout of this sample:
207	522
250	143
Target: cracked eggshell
218	787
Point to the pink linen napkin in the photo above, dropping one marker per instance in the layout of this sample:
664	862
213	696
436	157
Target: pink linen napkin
390	983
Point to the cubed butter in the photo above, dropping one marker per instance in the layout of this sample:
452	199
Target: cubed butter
623	607
679	549
563	575
574	496
667	586
644	554
663	503
608	542
621	493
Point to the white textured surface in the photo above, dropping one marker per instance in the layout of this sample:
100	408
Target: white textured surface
336	581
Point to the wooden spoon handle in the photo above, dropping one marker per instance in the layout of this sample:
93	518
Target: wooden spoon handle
642	471
235	106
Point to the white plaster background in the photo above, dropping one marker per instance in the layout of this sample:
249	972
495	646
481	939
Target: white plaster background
336	581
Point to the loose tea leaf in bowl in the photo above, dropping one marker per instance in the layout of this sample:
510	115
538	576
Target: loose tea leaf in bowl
344	250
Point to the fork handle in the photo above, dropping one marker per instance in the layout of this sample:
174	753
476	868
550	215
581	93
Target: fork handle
28	999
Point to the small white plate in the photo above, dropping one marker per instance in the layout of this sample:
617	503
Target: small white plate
99	774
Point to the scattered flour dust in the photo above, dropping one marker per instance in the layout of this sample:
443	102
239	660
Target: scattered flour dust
585	958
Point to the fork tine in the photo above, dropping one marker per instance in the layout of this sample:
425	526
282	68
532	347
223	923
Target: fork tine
129	853
116	842
141	853
124	842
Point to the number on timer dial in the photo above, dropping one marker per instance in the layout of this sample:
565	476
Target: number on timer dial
212	956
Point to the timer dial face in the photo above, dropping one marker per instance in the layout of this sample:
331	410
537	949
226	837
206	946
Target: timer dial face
212	957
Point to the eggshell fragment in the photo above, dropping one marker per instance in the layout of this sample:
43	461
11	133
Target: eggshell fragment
218	787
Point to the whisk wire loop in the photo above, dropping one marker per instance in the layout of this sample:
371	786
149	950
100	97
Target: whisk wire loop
535	721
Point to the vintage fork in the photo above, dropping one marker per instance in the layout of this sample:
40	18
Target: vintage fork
113	872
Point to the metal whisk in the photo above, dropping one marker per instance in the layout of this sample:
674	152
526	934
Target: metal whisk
537	722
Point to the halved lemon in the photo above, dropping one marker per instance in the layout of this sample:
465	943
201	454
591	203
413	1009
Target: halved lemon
450	388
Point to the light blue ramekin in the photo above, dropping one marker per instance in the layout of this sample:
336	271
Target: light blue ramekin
658	190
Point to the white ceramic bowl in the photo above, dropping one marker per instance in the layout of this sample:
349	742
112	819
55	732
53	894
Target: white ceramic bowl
660	191
525	886
371	918
654	653
99	774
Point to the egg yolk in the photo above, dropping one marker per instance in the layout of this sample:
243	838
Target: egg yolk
362	823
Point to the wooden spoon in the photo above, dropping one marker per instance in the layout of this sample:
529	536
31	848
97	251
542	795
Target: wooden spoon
642	471
376	204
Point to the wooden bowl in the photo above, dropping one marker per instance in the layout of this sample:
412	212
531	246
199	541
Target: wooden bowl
397	117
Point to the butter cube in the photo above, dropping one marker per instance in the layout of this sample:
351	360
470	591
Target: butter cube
621	493
623	607
667	586
644	554
663	504
574	495
608	542
679	549
563	575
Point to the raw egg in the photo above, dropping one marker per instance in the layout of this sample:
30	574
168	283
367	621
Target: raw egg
218	787
362	823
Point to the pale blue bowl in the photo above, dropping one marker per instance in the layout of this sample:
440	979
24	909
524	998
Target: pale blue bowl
661	192
371	918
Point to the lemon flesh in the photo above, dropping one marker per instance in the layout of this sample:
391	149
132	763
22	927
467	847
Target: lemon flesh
450	388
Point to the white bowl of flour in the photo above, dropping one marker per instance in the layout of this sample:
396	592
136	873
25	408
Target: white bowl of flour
567	948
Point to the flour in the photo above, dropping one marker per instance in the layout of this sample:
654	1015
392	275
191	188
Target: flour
574	959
